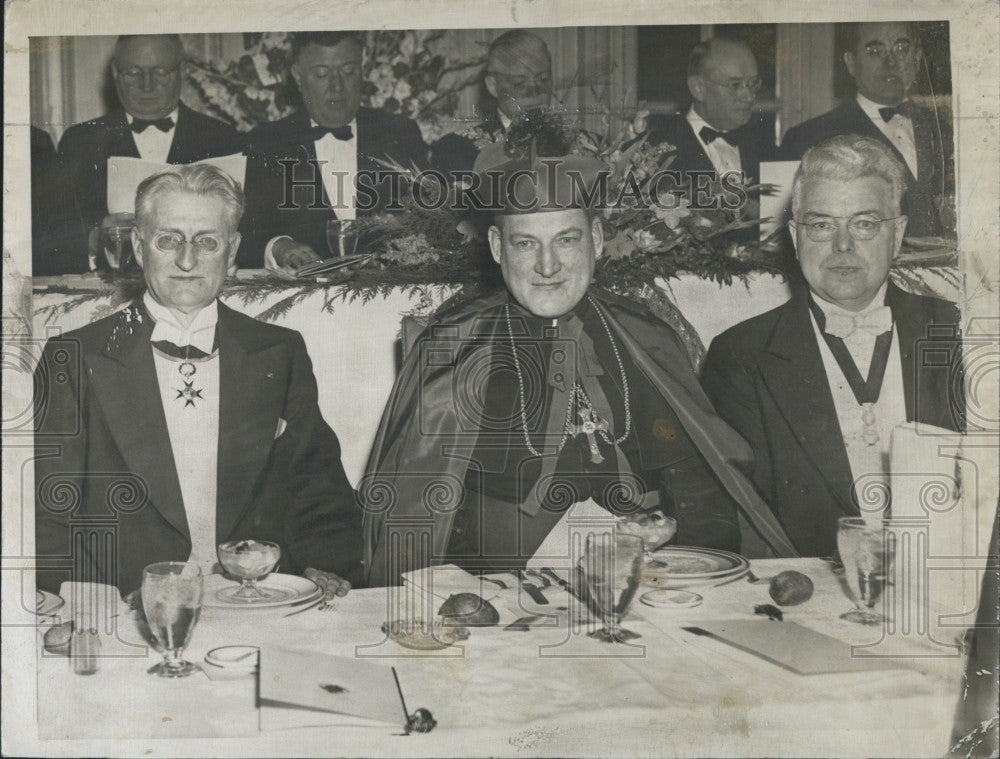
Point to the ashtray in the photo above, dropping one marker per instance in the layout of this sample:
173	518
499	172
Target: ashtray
671	599
234	657
422	635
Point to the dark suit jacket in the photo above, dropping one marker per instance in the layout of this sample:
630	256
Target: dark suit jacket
108	499
85	148
766	378
57	243
381	135
691	158
935	158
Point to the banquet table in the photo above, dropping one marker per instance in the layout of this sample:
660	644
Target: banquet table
544	692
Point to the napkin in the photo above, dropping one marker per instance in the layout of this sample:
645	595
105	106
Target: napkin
425	589
126	173
300	688
792	646
564	545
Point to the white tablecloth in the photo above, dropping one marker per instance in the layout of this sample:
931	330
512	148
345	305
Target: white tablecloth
529	693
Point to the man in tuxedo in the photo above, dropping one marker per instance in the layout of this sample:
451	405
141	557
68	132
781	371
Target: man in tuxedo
178	424
513	406
519	78
302	169
884	60
713	137
151	123
817	384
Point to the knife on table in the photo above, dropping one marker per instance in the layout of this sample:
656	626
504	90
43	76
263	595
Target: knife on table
532	590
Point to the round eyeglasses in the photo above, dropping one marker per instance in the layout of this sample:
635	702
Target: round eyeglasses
172	242
752	85
899	48
860	227
158	74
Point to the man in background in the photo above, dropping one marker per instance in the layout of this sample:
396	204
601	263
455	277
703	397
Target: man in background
884	60
301	170
150	123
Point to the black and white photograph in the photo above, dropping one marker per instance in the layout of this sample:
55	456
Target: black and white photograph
518	379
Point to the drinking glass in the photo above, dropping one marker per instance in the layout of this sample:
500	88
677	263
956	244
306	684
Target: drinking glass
612	566
341	237
867	556
116	240
171	598
250	561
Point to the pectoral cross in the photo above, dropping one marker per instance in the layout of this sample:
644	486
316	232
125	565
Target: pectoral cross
589	425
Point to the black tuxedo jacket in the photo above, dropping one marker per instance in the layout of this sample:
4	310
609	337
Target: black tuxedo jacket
935	158
85	148
381	135
108	498
766	378
57	243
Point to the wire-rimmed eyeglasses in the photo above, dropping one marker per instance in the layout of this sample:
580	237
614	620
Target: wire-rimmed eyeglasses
861	226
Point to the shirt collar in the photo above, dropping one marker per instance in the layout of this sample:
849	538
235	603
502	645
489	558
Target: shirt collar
871	108
172	115
505	120
353	124
201	333
697	122
831	308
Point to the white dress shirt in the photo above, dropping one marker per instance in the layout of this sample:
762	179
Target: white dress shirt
724	157
338	165
899	130
153	144
870	462
193	428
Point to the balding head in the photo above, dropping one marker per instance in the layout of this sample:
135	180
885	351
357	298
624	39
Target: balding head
519	72
723	80
147	73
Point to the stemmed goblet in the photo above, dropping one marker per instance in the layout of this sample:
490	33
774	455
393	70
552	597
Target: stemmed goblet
867	555
250	561
171	599
612	566
653	528
341	237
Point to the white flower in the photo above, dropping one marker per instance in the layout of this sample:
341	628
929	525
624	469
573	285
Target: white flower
672	216
645	240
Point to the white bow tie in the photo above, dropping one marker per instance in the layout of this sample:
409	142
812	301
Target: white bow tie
874	323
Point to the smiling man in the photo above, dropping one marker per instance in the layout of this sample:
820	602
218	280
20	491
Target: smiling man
817	385
151	123
302	169
884	60
514	406
178	423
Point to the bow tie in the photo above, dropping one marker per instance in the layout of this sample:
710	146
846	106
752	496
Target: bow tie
176	351
342	133
708	135
894	110
164	125
875	322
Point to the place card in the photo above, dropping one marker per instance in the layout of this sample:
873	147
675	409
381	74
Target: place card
300	688
792	646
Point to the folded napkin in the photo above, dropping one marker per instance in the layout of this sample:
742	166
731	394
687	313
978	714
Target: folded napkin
563	546
425	589
302	688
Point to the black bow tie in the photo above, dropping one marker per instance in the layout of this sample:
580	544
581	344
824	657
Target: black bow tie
892	110
176	351
164	125
341	133
708	135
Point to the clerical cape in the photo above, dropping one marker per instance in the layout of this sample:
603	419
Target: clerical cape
446	454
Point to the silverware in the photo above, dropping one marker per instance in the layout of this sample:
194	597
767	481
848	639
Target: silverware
546	582
557	579
523	624
319	602
499	583
532	590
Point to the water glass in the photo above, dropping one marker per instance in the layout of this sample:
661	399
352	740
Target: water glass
172	594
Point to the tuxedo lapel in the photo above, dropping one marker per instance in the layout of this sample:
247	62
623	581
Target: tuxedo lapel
124	382
121	142
694	156
249	409
795	378
182	146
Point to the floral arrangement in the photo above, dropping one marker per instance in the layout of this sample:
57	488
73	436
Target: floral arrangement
405	72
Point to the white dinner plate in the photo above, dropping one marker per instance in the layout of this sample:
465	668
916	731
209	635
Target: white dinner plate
286	590
683	566
47	603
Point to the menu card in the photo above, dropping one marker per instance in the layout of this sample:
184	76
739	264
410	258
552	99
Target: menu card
299	688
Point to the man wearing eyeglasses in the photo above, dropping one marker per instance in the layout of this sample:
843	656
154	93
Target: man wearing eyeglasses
302	170
715	137
151	123
884	60
519	78
817	385
178	424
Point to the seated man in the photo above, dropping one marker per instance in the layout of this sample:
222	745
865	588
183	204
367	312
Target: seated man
512	407
301	170
152	123
178	423
519	78
817	385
